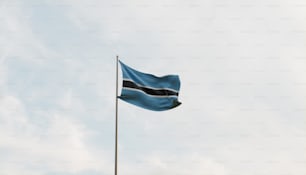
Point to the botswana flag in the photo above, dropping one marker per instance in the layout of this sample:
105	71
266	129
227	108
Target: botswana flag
148	91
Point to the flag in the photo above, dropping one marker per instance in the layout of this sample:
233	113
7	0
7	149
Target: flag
149	91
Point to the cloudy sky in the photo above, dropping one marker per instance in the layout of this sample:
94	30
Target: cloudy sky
242	67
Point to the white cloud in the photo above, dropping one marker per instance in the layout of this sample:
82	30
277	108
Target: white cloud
28	146
59	147
174	164
229	58
240	83
16	33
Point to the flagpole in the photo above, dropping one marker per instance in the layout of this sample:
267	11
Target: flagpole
116	130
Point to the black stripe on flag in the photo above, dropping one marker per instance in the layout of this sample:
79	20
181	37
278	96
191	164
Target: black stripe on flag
150	91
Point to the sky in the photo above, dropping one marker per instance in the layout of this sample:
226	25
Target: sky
242	67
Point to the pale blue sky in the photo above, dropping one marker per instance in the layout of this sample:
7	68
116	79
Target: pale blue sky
242	68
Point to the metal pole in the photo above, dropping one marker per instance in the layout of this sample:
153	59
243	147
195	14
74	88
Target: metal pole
116	131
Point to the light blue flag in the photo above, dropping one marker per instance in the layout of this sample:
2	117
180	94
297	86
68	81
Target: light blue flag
148	91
